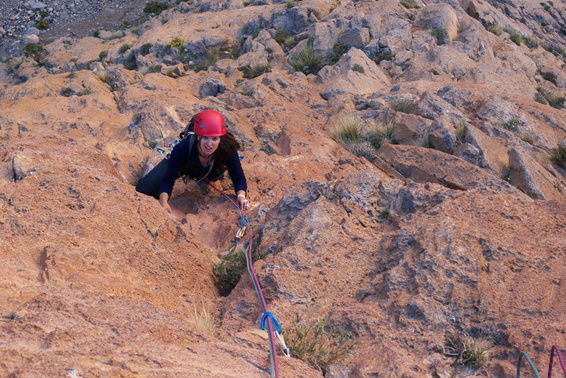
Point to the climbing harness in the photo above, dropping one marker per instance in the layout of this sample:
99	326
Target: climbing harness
554	349
267	318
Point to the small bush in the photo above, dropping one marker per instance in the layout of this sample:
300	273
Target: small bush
511	125
254	71
409	4
125	47
318	344
96	34
540	98
103	55
495	28
67	92
306	61
290	4
144	49
131	63
229	270
348	130
338	50
558	156
247	3
555	99
156	7
384	54
358	68
176	42
379	133
440	34
469	351
515	38
35	51
154	68
403	106
549	76
280	36
42	24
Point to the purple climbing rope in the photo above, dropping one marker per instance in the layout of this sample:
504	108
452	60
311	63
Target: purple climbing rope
560	359
267	315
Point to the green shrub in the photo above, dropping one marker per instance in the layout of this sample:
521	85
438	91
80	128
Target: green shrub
256	70
156	7
540	98
511	125
306	61
103	55
154	68
549	76
67	92
96	34
318	344
131	63
42	24
409	4
290	4
358	68
145	48
125	47
406	106
515	38
35	51
384	54
229	270
440	34
558	156
338	50
495	29
247	3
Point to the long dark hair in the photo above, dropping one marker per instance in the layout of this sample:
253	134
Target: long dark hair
228	144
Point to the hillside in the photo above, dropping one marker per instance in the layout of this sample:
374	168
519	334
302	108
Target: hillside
405	163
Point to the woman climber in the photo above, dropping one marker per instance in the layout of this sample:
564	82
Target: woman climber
206	155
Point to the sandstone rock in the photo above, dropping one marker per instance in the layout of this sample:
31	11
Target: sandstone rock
430	166
532	178
212	88
344	78
409	129
440	16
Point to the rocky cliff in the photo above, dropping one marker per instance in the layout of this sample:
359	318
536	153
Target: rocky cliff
406	168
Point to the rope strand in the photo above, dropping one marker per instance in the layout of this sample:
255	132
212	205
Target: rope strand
249	262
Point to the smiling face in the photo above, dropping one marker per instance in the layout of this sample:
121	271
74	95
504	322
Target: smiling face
208	145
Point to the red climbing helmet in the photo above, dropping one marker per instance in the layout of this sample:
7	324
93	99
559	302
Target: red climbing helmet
209	123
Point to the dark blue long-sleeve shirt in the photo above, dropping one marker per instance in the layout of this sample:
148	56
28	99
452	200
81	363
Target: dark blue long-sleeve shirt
181	164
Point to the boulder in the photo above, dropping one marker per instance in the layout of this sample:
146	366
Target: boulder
354	74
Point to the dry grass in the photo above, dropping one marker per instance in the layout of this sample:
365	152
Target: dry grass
203	321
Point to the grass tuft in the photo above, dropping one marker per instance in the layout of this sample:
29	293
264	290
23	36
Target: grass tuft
203	321
306	61
318	344
558	156
467	350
